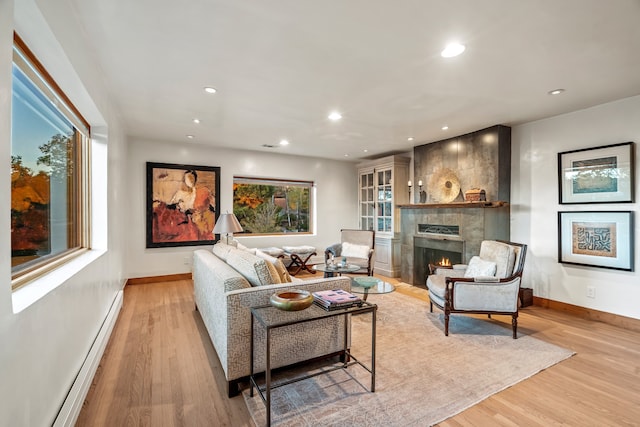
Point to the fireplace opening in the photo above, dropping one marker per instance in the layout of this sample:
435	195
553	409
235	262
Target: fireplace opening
434	252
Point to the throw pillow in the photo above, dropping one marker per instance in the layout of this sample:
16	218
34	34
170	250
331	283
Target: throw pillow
244	248
281	270
355	251
256	270
479	267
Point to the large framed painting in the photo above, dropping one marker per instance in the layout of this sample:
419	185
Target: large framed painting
598	238
182	204
597	175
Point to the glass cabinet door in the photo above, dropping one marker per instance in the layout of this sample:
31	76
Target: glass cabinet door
385	201
367	201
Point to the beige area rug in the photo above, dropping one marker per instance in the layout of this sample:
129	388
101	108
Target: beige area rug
422	377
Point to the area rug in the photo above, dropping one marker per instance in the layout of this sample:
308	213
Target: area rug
422	377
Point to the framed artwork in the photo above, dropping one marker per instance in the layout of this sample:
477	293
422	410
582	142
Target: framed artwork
598	238
597	175
182	204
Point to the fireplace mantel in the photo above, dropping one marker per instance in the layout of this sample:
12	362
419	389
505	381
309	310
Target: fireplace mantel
454	205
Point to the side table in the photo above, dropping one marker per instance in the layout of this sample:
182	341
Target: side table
272	318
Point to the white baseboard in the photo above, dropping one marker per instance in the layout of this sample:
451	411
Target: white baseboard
386	272
72	405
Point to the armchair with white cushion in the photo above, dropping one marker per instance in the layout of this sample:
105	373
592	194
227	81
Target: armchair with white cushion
489	284
358	248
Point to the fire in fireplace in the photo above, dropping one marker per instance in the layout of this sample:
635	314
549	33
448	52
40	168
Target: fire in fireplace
434	252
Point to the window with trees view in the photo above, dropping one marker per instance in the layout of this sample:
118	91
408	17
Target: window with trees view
49	157
267	206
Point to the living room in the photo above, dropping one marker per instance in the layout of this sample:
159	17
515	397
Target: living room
48	331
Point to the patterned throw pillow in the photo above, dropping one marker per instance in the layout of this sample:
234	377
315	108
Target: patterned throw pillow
283	274
479	267
256	270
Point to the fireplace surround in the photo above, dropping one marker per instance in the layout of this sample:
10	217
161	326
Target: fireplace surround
479	160
475	221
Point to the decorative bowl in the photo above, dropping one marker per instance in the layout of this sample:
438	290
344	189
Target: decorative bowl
291	300
366	282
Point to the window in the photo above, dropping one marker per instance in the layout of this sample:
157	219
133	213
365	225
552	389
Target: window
269	206
49	159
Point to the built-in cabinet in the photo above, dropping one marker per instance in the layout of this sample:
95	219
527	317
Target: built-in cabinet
382	186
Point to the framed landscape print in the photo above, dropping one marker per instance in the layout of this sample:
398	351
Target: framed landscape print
182	204
597	175
599	238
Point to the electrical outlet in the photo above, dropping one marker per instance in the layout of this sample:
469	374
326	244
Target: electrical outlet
591	291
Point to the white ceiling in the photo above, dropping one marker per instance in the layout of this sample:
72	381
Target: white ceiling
281	66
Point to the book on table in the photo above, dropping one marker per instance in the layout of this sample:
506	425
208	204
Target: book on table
336	299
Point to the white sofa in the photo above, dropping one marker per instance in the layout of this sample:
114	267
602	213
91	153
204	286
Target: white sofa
227	283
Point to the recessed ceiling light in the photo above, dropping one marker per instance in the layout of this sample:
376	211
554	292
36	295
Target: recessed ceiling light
210	89
335	116
452	49
410	138
445	127
190	136
555	92
196	121
346	155
365	151
284	142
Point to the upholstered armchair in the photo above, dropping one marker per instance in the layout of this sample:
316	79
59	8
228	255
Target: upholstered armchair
489	284
357	246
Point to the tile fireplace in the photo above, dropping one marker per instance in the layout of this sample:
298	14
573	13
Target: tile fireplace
432	232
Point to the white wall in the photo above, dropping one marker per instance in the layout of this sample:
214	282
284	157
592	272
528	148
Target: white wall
43	346
535	206
336	191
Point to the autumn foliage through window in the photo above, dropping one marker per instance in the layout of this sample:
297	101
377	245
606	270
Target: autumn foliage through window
266	206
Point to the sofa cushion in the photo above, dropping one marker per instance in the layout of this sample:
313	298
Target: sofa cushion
355	251
277	263
480	267
255	269
221	250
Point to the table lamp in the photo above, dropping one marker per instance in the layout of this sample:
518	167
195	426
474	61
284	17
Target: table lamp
227	224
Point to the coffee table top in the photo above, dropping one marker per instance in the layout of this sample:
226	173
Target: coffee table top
370	285
350	268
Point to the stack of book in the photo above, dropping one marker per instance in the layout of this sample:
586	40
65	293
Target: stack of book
336	299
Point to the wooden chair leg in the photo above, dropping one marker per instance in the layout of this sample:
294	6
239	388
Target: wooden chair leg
514	325
430	307
446	324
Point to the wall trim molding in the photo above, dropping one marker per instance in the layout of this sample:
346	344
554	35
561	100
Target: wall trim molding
72	405
155	279
590	314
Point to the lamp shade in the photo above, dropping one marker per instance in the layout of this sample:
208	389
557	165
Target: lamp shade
227	223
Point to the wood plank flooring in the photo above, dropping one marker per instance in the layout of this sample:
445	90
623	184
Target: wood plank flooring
160	369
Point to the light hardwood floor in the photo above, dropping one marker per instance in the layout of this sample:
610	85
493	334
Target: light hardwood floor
160	369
